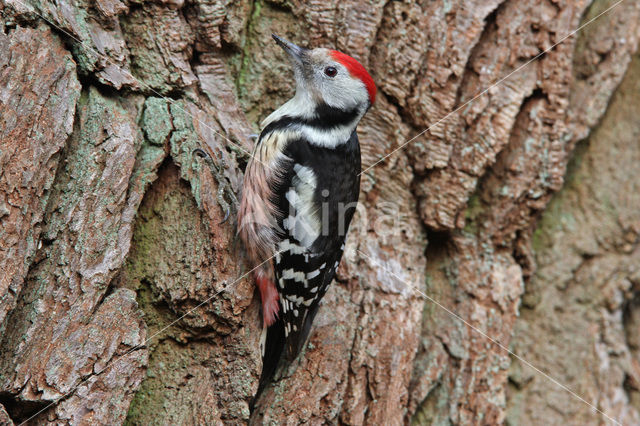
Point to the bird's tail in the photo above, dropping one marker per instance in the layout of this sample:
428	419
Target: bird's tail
272	348
278	350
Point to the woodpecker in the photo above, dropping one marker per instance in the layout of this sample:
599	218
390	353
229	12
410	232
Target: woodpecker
300	192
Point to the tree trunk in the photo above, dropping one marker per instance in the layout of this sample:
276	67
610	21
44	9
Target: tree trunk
124	296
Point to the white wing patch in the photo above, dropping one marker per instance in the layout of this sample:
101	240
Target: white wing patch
303	222
306	175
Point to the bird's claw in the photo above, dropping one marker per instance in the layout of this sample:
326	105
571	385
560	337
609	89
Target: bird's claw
200	153
227	213
223	185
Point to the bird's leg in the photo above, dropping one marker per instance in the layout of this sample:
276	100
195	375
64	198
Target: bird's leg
224	188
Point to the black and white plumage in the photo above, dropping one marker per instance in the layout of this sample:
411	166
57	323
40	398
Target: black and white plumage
300	193
320	207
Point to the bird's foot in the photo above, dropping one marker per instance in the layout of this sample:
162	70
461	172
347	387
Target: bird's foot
225	196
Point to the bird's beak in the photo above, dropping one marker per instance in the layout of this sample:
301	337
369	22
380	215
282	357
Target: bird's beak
297	53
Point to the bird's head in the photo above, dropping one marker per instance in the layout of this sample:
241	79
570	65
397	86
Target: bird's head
330	77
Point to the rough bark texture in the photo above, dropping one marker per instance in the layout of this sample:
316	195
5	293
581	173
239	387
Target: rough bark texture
123	297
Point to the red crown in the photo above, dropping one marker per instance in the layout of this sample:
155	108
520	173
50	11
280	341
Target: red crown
356	70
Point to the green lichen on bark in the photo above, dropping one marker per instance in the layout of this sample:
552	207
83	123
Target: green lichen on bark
168	269
156	121
160	41
257	71
63	351
430	412
167	223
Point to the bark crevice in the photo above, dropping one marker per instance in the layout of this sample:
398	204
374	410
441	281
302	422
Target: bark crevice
111	228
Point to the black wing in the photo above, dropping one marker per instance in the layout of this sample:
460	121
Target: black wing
317	198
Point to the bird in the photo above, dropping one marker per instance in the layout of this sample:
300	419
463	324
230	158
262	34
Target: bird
300	192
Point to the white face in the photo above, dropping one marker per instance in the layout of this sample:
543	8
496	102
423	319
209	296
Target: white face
328	80
320	78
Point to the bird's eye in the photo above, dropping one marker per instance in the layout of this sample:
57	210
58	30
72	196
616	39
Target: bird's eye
330	71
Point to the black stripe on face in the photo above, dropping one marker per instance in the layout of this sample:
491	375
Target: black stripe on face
325	118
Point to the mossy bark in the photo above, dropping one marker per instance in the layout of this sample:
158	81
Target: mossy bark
124	296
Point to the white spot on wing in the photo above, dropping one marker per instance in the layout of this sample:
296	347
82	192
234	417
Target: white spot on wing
303	221
295	299
292	197
305	175
290	274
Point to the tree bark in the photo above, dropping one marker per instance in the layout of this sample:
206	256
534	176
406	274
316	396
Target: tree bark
125	298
